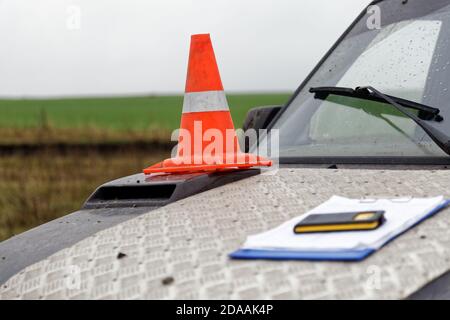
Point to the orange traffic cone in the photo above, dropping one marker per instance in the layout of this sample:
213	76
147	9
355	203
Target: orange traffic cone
207	140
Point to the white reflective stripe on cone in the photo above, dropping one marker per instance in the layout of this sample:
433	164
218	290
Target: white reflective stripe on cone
205	101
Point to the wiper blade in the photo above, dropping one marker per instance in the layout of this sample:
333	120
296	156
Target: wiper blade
370	93
425	112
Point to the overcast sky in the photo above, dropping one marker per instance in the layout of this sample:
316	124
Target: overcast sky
113	47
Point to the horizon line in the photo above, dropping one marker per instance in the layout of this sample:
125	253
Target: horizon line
128	95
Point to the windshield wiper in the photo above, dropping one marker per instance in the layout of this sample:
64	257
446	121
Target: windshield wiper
426	113
365	93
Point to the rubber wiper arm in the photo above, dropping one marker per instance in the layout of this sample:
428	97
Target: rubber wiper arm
426	112
440	138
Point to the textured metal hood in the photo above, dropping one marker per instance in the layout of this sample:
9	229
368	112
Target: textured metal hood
181	250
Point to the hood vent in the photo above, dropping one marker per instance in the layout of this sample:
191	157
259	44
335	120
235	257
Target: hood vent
155	191
131	196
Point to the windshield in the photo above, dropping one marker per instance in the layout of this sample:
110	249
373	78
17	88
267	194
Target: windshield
407	56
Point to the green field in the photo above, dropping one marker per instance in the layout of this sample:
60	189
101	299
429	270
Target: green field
40	186
123	114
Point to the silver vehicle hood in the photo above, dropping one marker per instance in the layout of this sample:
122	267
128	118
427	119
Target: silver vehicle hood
180	251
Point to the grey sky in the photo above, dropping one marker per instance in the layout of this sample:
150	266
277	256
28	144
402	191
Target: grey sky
136	46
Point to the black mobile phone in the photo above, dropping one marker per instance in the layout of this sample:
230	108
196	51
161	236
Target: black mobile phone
340	221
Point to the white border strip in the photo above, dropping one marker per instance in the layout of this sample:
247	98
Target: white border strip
205	101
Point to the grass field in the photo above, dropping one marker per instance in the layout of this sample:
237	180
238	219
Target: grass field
38	187
109	118
41	187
